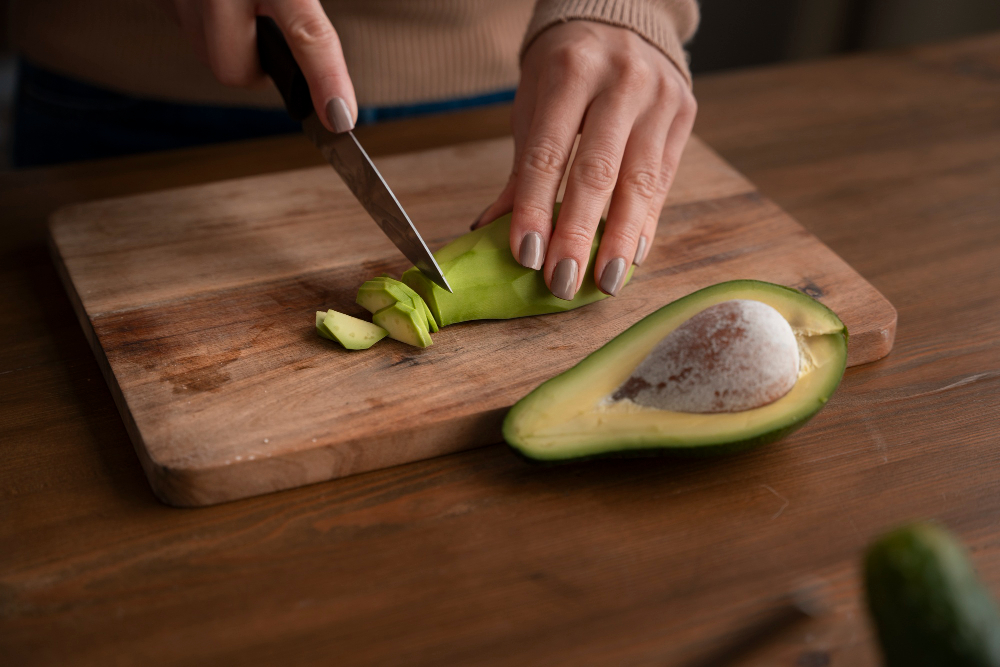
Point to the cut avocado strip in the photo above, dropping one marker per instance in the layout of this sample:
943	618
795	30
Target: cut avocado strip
404	323
352	333
382	292
929	607
320	329
488	282
572	415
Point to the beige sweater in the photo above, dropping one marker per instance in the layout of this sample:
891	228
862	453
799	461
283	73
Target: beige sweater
397	51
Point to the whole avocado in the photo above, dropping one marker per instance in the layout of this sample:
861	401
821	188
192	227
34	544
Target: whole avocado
929	607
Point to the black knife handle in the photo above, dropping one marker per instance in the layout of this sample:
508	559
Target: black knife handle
277	60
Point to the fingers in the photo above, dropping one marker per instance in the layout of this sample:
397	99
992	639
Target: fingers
680	131
635	193
591	181
563	93
230	42
317	50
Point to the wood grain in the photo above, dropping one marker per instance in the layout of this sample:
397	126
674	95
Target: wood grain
200	302
892	159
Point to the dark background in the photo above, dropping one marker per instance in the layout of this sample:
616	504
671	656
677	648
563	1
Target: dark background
741	33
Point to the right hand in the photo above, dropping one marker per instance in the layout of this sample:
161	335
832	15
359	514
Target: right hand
224	35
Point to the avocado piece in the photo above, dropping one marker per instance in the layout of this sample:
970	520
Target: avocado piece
352	333
588	410
928	606
404	323
488	282
379	293
320	329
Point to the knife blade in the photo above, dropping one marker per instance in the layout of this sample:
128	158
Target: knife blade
343	152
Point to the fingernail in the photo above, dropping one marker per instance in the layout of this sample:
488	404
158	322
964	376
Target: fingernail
531	251
339	115
564	279
480	218
640	251
613	276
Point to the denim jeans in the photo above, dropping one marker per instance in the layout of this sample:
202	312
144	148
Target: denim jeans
58	119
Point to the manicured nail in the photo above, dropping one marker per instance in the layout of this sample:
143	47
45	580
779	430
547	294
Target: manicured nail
640	251
531	251
613	276
339	115
564	279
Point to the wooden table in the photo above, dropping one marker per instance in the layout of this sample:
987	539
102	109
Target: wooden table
892	159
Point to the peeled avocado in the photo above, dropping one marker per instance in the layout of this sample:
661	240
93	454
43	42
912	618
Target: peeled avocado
488	282
929	607
404	323
381	292
352	333
573	415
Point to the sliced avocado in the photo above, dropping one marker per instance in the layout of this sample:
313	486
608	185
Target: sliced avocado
382	292
488	282
929	607
582	412
320	329
404	323
352	333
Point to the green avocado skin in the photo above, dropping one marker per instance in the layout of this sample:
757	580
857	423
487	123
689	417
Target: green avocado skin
611	443
929	607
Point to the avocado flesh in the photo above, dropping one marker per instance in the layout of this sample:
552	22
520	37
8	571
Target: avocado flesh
571	415
352	333
404	324
488	282
379	293
928	605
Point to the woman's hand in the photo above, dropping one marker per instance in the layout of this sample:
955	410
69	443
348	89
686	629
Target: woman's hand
634	111
224	35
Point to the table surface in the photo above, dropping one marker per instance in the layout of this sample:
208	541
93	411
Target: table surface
892	159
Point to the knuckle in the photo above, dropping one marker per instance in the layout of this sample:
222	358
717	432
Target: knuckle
544	158
641	182
575	237
633	73
530	215
595	169
310	29
667	173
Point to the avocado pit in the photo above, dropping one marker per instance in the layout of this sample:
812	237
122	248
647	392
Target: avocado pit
734	356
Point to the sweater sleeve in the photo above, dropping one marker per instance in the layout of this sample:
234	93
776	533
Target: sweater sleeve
666	24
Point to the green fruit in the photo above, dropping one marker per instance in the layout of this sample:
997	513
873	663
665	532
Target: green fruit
352	333
488	282
582	412
929	607
386	285
404	323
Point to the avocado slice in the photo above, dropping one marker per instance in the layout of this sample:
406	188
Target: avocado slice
581	413
404	323
488	282
400	291
929	607
382	292
352	333
320	329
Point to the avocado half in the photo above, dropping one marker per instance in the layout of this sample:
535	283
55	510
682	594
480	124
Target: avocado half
572	416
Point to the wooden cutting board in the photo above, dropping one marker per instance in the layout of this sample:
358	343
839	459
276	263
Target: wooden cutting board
199	304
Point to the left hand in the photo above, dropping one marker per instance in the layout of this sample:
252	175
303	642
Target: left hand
635	112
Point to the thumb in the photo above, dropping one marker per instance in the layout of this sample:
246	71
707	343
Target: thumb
504	204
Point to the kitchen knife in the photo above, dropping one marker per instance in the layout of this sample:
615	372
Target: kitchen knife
343	152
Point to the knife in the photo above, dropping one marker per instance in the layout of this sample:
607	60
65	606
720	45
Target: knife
343	152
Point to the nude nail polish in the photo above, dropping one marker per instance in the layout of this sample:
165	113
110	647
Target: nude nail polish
613	276
640	251
564	279
531	251
339	115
